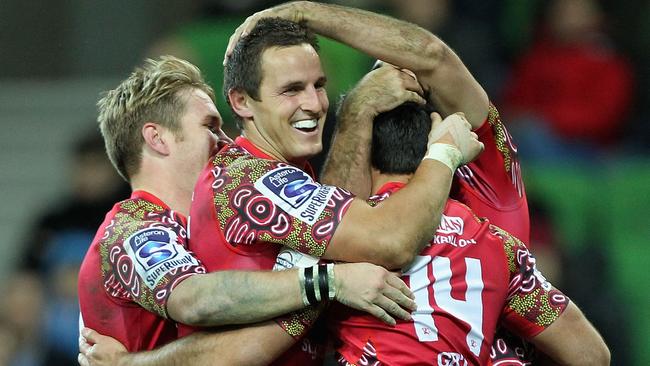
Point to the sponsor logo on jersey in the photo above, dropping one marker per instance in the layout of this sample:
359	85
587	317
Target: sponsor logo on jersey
451	359
453	240
295	192
451	225
155	252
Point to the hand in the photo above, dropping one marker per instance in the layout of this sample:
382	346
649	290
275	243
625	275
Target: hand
383	89
455	130
373	289
290	11
97	350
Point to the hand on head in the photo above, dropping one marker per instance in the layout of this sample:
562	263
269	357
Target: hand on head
455	130
384	89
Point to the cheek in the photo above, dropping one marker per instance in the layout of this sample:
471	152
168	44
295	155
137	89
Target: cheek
324	101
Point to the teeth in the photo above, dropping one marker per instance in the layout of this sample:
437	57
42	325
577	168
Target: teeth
308	123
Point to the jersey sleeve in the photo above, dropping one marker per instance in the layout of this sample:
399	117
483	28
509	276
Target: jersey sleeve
532	303
260	201
143	260
492	184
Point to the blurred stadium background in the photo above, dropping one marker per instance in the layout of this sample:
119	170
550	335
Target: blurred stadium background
589	188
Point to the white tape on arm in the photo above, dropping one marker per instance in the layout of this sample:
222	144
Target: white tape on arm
446	154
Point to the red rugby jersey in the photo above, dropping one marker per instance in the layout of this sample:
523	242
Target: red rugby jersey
137	257
247	206
492	185
472	275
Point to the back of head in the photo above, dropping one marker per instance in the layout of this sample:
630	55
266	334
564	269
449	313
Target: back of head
399	138
152	93
243	71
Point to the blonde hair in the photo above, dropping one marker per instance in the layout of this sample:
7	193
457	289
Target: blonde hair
152	93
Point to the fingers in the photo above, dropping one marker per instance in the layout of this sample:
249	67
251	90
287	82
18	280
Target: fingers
397	303
392	308
414	97
381	314
436	119
397	283
83	361
84	347
90	335
240	32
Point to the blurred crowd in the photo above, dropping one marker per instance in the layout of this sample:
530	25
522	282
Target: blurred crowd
570	77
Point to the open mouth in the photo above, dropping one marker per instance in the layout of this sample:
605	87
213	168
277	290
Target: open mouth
306	125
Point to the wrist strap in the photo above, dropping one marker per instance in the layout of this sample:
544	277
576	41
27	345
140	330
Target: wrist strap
332	283
323	283
446	154
303	291
314	290
309	286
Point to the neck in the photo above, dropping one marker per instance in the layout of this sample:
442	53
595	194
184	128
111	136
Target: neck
266	148
380	179
166	187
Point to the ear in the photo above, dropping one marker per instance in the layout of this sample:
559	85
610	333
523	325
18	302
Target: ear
239	102
155	138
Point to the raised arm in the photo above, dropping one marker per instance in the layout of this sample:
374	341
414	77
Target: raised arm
450	85
348	160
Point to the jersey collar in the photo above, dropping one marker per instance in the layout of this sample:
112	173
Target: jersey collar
245	143
390	187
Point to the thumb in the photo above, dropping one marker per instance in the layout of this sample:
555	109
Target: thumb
436	119
90	335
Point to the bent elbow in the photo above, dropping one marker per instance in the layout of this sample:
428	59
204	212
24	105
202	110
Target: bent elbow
435	51
190	304
397	253
600	356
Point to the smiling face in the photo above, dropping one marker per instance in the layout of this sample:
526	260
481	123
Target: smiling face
287	120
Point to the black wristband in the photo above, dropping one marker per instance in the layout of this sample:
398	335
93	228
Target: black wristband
323	283
309	285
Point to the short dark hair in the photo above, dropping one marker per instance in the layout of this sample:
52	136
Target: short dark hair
243	71
399	138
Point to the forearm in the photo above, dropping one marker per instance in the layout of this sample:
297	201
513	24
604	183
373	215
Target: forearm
348	160
235	297
397	42
419	207
224	347
440	71
400	226
572	340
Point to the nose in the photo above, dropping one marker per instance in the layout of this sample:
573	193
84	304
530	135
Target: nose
314	100
223	138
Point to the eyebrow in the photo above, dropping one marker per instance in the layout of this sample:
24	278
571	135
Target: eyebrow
293	84
212	119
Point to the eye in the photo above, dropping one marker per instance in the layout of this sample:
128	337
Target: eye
291	91
212	128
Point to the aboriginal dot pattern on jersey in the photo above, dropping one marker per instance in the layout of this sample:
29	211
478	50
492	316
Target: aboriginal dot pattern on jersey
297	324
120	278
236	172
531	301
500	136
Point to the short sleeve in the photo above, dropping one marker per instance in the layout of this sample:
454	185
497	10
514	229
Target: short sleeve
142	261
532	303
259	201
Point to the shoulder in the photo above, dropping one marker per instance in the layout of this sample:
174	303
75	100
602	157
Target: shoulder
140	220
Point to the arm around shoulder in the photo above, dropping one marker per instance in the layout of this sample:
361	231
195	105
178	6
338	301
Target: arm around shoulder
234	297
